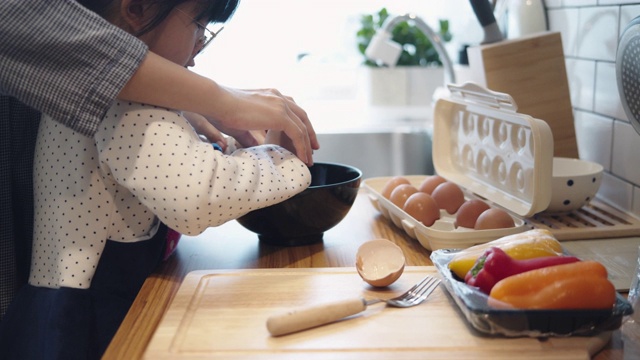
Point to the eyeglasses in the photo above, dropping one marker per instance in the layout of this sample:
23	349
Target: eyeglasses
208	36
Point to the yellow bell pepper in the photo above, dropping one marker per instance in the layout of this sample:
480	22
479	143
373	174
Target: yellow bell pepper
526	245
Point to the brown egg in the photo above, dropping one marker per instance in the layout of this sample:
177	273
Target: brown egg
449	197
401	193
392	184
494	219
430	183
423	208
468	213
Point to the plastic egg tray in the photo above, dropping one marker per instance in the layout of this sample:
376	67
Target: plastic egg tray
443	234
481	143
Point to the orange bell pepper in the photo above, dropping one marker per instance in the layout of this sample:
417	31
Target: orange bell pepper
526	245
578	285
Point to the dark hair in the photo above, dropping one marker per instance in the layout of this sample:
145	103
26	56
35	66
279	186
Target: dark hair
211	11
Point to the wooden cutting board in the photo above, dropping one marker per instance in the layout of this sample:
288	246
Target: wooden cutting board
532	70
222	315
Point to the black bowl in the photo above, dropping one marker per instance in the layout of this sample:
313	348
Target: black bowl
303	218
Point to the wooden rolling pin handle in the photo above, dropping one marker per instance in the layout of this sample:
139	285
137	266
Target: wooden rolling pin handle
307	318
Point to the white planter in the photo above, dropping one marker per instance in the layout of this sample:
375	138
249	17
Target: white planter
400	86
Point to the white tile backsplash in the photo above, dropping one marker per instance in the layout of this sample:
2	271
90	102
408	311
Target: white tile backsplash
617	192
596	40
594	134
581	75
590	32
579	2
627	13
565	21
626	149
607	99
552	3
616	2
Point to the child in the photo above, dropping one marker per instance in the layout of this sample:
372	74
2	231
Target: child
101	203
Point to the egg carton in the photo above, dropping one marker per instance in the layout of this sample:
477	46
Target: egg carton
482	144
443	234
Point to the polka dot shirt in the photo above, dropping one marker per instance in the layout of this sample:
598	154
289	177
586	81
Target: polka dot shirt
145	165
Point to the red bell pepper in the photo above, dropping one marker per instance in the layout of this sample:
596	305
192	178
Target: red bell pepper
495	265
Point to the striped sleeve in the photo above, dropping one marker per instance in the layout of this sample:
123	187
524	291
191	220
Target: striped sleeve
64	60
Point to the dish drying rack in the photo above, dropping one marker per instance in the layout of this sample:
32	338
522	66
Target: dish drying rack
595	220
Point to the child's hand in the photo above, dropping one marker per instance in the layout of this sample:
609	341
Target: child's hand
204	128
279	138
260	136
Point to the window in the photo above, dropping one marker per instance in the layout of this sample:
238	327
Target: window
307	48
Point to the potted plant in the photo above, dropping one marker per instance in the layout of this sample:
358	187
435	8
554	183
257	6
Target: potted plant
418	71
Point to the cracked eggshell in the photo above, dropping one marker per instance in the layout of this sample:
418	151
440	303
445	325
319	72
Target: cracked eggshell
380	262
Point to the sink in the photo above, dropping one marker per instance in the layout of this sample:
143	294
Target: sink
379	153
378	140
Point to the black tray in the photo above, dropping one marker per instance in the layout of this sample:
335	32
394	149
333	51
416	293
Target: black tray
533	323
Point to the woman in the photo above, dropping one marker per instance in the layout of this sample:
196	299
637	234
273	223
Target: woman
101	203
39	38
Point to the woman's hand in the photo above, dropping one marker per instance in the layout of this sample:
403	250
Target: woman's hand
266	109
232	111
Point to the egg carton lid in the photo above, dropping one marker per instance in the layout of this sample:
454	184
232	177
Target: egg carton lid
483	144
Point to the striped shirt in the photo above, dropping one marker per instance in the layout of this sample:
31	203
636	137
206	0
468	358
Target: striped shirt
65	61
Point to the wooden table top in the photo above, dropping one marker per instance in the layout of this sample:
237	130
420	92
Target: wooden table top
230	246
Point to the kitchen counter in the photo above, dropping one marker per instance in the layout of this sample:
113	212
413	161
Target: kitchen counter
230	246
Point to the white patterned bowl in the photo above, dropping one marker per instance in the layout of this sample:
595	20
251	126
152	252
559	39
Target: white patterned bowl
574	183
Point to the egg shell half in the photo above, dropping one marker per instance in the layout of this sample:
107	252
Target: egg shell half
380	262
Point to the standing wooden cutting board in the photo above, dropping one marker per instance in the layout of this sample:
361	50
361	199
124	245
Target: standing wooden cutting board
222	315
532	70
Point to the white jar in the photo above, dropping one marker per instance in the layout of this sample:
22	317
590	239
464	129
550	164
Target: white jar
525	17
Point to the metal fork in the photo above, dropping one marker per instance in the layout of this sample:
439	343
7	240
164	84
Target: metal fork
306	318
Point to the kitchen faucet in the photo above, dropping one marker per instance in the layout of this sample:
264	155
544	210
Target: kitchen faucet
383	49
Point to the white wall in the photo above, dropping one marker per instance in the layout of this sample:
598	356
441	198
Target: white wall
590	32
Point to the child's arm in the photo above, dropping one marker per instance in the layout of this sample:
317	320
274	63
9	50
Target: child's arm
190	186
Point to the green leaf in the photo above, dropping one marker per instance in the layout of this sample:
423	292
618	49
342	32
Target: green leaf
417	48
